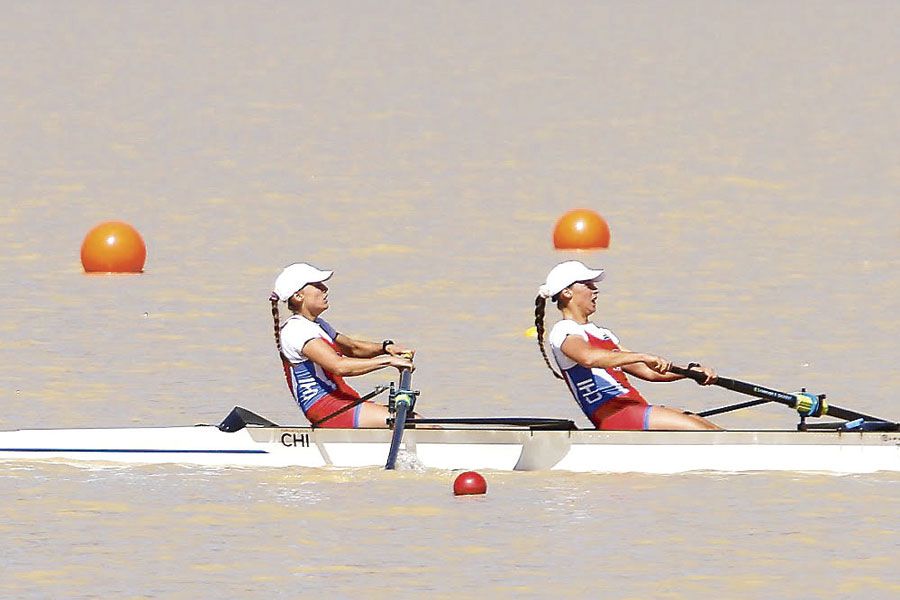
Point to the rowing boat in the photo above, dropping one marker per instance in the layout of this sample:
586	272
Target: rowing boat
858	443
258	443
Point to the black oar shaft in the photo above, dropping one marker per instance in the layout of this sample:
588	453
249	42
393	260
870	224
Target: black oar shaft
405	380
849	415
751	389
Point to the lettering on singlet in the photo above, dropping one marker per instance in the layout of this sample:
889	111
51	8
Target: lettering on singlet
307	387
588	392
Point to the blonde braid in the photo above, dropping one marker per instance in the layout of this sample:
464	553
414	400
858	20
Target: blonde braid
540	304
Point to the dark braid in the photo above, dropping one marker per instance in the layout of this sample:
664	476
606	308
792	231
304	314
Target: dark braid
284	362
540	304
274	300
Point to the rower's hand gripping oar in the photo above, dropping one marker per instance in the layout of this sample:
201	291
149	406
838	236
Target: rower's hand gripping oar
401	403
808	405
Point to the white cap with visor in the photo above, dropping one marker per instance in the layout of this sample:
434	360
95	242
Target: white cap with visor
565	274
295	276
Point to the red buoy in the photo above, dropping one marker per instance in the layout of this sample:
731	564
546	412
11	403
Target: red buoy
580	229
469	483
113	247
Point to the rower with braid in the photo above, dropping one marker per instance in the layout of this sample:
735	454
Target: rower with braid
316	357
593	364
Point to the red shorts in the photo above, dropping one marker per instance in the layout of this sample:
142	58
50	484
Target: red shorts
349	419
622	415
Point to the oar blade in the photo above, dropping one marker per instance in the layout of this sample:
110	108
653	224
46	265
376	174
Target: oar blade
402	400
397	437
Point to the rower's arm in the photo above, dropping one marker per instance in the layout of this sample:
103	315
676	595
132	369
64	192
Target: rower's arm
642	371
357	348
318	351
365	349
579	350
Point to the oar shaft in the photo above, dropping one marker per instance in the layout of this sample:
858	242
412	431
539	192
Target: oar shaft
405	380
849	415
742	387
751	389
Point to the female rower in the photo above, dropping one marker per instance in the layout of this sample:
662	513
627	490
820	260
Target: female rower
593	364
316	357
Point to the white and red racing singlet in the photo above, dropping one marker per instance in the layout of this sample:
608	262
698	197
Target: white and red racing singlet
308	381
595	387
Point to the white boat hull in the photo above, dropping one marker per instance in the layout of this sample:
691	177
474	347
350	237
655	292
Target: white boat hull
451	449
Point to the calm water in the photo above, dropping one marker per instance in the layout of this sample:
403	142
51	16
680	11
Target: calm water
747	158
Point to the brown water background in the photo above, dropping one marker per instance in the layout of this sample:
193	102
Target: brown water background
746	156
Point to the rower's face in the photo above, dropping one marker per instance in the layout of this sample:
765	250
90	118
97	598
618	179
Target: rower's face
314	297
584	296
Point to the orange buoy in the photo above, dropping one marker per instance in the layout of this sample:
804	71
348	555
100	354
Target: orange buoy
581	229
113	247
469	483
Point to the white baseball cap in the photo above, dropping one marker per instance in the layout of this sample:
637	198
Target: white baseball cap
295	276
565	274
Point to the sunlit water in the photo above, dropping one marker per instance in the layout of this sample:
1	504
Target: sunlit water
747	158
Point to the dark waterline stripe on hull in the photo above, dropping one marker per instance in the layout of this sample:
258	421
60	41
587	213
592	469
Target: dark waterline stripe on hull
132	451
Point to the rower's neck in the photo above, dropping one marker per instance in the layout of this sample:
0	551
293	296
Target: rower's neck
303	312
575	315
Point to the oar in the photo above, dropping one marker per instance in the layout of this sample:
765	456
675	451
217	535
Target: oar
806	404
403	401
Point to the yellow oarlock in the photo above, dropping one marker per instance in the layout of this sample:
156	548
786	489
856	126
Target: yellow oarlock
810	405
406	398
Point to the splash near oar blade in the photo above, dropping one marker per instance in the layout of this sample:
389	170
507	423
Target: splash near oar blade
401	403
